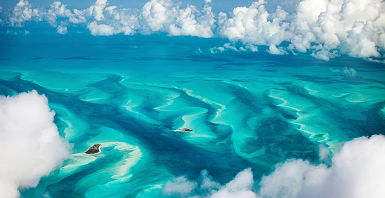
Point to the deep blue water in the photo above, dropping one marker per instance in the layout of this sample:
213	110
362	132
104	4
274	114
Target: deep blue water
131	93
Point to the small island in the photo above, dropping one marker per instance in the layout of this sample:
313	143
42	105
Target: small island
184	130
94	149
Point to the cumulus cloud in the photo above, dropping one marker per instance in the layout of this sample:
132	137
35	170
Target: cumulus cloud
356	27
323	152
252	25
23	12
97	9
155	13
164	15
57	9
102	19
273	49
240	186
99	18
356	171
101	29
62	28
323	28
31	146
115	21
179	185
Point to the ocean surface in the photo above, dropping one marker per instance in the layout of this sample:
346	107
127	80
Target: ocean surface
129	93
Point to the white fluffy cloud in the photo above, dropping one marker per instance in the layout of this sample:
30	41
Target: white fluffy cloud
99	18
62	29
164	15
97	9
102	19
323	28
241	186
326	28
101	29
23	12
179	185
356	171
356	27
31	146
253	25
58	11
115	21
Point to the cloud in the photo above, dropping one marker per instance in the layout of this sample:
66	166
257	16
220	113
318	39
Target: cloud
101	29
240	186
273	49
356	171
179	185
164	15
23	12
252	25
62	28
355	27
323	152
350	71
346	71
57	9
1	13
31	146
155	13
100	19
323	28
96	10
233	47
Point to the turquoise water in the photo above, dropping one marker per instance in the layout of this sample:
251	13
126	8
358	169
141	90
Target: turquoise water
131	93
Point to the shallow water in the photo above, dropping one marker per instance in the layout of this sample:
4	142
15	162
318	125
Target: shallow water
131	93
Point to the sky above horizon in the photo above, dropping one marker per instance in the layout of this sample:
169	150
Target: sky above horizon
322	28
